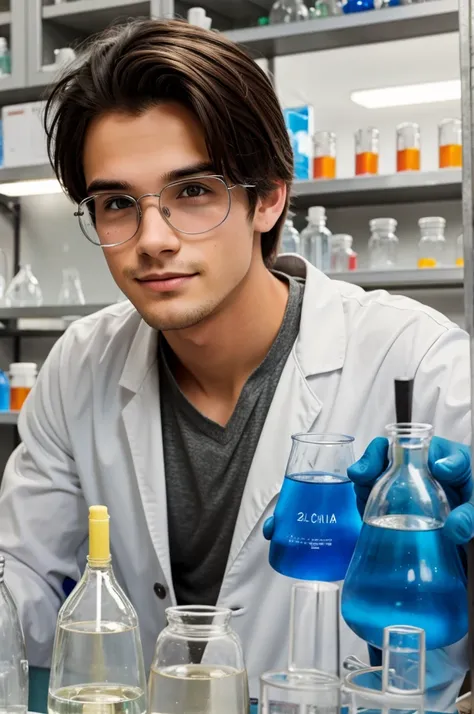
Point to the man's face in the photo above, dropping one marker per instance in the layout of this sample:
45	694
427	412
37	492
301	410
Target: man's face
174	280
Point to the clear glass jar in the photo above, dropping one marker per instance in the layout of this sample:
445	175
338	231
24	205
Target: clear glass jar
324	155
460	251
343	258
24	289
284	11
432	245
198	664
383	244
404	570
290	238
71	292
315	239
450	144
366	151
408	147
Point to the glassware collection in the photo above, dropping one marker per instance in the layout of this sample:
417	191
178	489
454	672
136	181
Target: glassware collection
24	289
16	385
408	149
296	10
334	253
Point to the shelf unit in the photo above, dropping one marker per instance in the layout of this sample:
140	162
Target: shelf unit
12	319
439	278
431	18
9	418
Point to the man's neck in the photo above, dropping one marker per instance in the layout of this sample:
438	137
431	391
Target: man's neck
216	357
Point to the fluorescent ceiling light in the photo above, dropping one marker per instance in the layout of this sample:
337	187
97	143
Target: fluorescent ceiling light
40	187
408	94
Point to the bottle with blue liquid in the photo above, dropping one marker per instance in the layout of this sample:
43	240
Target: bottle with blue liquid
316	523
404	570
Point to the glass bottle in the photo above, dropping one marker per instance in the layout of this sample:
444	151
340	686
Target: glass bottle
366	151
316	523
290	238
97	663
450	144
432	245
24	290
343	258
288	11
71	289
13	662
404	570
198	664
324	155
460	251
315	239
408	147
383	244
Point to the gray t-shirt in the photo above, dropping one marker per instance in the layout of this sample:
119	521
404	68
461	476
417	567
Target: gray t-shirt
207	465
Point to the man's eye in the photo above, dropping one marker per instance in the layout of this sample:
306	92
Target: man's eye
193	191
118	203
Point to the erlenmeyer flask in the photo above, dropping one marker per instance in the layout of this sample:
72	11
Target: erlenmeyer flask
71	289
13	663
24	289
288	11
97	664
316	522
404	570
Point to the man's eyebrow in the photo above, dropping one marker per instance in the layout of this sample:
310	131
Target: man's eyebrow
104	184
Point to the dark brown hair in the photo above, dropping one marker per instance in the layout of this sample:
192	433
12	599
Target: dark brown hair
141	64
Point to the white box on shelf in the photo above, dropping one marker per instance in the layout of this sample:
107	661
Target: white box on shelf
24	139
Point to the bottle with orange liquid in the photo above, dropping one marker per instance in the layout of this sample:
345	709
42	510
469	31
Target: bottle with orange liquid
22	379
450	144
366	151
460	251
432	245
408	147
324	153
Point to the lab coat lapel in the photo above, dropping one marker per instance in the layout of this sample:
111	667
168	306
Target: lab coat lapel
140	377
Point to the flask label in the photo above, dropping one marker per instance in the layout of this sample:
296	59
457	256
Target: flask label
316	518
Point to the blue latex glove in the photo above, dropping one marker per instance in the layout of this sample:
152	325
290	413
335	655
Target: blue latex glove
450	464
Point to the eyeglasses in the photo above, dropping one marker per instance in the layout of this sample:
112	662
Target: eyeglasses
191	206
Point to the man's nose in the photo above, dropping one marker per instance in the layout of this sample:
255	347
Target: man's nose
155	235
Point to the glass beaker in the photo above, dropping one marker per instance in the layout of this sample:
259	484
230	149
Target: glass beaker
408	147
24	290
404	570
316	522
290	238
97	663
71	289
311	684
383	244
198	665
432	244
366	151
324	155
13	662
450	144
284	11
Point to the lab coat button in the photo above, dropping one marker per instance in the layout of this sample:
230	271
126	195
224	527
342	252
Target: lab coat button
160	590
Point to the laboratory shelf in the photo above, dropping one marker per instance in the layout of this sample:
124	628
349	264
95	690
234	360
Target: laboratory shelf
404	279
406	187
9	417
25	173
48	311
90	16
397	23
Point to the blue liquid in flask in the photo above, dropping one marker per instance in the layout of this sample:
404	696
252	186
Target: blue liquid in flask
406	572
316	527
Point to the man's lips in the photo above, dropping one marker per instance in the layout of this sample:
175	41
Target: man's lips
165	282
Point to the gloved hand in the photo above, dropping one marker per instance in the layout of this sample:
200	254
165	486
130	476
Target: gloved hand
450	464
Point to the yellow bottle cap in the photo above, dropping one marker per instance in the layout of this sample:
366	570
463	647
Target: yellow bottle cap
99	541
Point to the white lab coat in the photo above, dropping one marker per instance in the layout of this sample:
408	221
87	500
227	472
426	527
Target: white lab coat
91	433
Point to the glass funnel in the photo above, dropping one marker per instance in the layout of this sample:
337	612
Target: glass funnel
198	666
311	684
24	290
71	292
13	663
97	664
316	522
404	571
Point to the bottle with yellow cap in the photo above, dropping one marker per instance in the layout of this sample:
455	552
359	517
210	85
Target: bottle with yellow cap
97	665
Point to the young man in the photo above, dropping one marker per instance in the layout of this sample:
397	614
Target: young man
176	409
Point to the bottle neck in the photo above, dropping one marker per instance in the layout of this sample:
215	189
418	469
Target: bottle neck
410	451
95	565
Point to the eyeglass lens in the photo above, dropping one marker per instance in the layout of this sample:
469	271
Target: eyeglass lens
193	206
